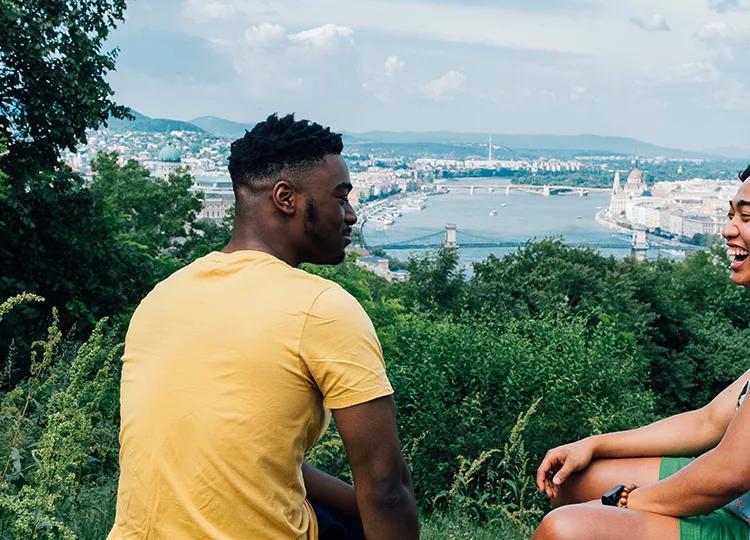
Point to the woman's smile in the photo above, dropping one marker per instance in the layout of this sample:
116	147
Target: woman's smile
737	256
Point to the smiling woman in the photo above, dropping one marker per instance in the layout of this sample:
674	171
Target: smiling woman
645	495
737	232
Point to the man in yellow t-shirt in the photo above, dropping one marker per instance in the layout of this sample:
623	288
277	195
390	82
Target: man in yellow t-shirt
232	364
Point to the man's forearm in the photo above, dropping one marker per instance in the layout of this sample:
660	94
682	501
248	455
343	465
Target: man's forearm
328	490
389	512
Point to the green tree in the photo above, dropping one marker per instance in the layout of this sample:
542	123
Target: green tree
206	236
436	283
53	83
153	213
55	239
93	251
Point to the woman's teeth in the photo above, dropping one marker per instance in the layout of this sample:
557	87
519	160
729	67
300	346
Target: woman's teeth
738	254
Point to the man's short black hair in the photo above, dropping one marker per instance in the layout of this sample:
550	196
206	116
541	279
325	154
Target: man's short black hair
744	175
279	143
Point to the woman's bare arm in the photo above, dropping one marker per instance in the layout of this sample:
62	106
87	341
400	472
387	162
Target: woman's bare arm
686	434
714	479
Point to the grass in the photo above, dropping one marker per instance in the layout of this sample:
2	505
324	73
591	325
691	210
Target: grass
94	515
454	526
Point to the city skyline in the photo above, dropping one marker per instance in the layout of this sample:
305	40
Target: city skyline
657	71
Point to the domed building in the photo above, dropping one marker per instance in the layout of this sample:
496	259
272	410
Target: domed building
168	160
635	186
169	154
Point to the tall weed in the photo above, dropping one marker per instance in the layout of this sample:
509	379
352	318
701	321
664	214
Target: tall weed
59	439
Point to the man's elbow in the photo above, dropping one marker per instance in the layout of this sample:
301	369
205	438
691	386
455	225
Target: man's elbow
390	500
389	490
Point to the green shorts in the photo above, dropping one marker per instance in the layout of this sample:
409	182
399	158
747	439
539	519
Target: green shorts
720	524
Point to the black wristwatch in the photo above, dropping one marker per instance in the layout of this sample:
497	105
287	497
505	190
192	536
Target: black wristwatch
611	497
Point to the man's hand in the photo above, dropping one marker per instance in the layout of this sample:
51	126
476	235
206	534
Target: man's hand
559	463
382	483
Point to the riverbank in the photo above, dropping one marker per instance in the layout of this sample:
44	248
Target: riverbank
383	213
601	219
667	245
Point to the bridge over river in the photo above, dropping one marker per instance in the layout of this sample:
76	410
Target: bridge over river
545	190
451	237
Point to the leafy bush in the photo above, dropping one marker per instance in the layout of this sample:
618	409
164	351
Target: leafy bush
58	436
461	387
545	346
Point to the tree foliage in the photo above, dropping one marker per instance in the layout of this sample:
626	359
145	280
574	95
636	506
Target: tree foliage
490	367
52	78
58	437
154	213
92	250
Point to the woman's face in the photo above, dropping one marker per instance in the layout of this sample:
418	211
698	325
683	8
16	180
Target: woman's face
737	235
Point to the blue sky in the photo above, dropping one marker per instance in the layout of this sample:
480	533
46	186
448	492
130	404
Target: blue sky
672	72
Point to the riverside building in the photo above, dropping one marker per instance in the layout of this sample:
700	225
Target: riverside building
682	208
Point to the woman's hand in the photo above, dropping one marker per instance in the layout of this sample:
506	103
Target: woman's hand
559	463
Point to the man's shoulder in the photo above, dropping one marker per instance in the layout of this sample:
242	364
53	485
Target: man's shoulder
333	298
314	281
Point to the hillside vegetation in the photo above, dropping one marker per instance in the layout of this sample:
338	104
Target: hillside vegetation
540	347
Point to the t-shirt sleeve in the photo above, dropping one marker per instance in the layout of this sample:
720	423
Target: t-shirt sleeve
341	350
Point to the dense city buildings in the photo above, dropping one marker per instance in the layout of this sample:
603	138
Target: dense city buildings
683	208
657	195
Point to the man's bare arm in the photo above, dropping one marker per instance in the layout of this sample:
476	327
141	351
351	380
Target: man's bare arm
382	483
322	488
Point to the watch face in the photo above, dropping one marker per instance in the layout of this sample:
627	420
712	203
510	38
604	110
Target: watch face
611	497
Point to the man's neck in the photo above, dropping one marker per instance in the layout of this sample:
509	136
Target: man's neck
257	244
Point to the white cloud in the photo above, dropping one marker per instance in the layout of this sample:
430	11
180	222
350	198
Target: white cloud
733	97
728	5
656	22
295	83
444	87
715	31
393	65
727	46
324	37
207	10
264	34
696	72
581	93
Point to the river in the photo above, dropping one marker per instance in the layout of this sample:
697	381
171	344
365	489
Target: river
495	216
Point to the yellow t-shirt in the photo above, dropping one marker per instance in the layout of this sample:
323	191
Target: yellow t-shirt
229	367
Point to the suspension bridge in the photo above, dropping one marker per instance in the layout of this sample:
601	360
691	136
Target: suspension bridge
452	237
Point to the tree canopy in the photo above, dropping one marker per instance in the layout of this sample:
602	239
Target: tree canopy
53	78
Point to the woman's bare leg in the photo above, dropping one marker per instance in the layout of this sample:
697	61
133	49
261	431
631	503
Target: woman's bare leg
596	522
602	474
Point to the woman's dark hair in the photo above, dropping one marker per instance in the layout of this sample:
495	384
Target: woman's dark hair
744	175
277	143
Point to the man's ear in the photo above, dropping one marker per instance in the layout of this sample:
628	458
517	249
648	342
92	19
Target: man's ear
284	197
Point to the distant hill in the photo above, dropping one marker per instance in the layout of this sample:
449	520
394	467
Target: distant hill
141	122
732	152
221	127
587	144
